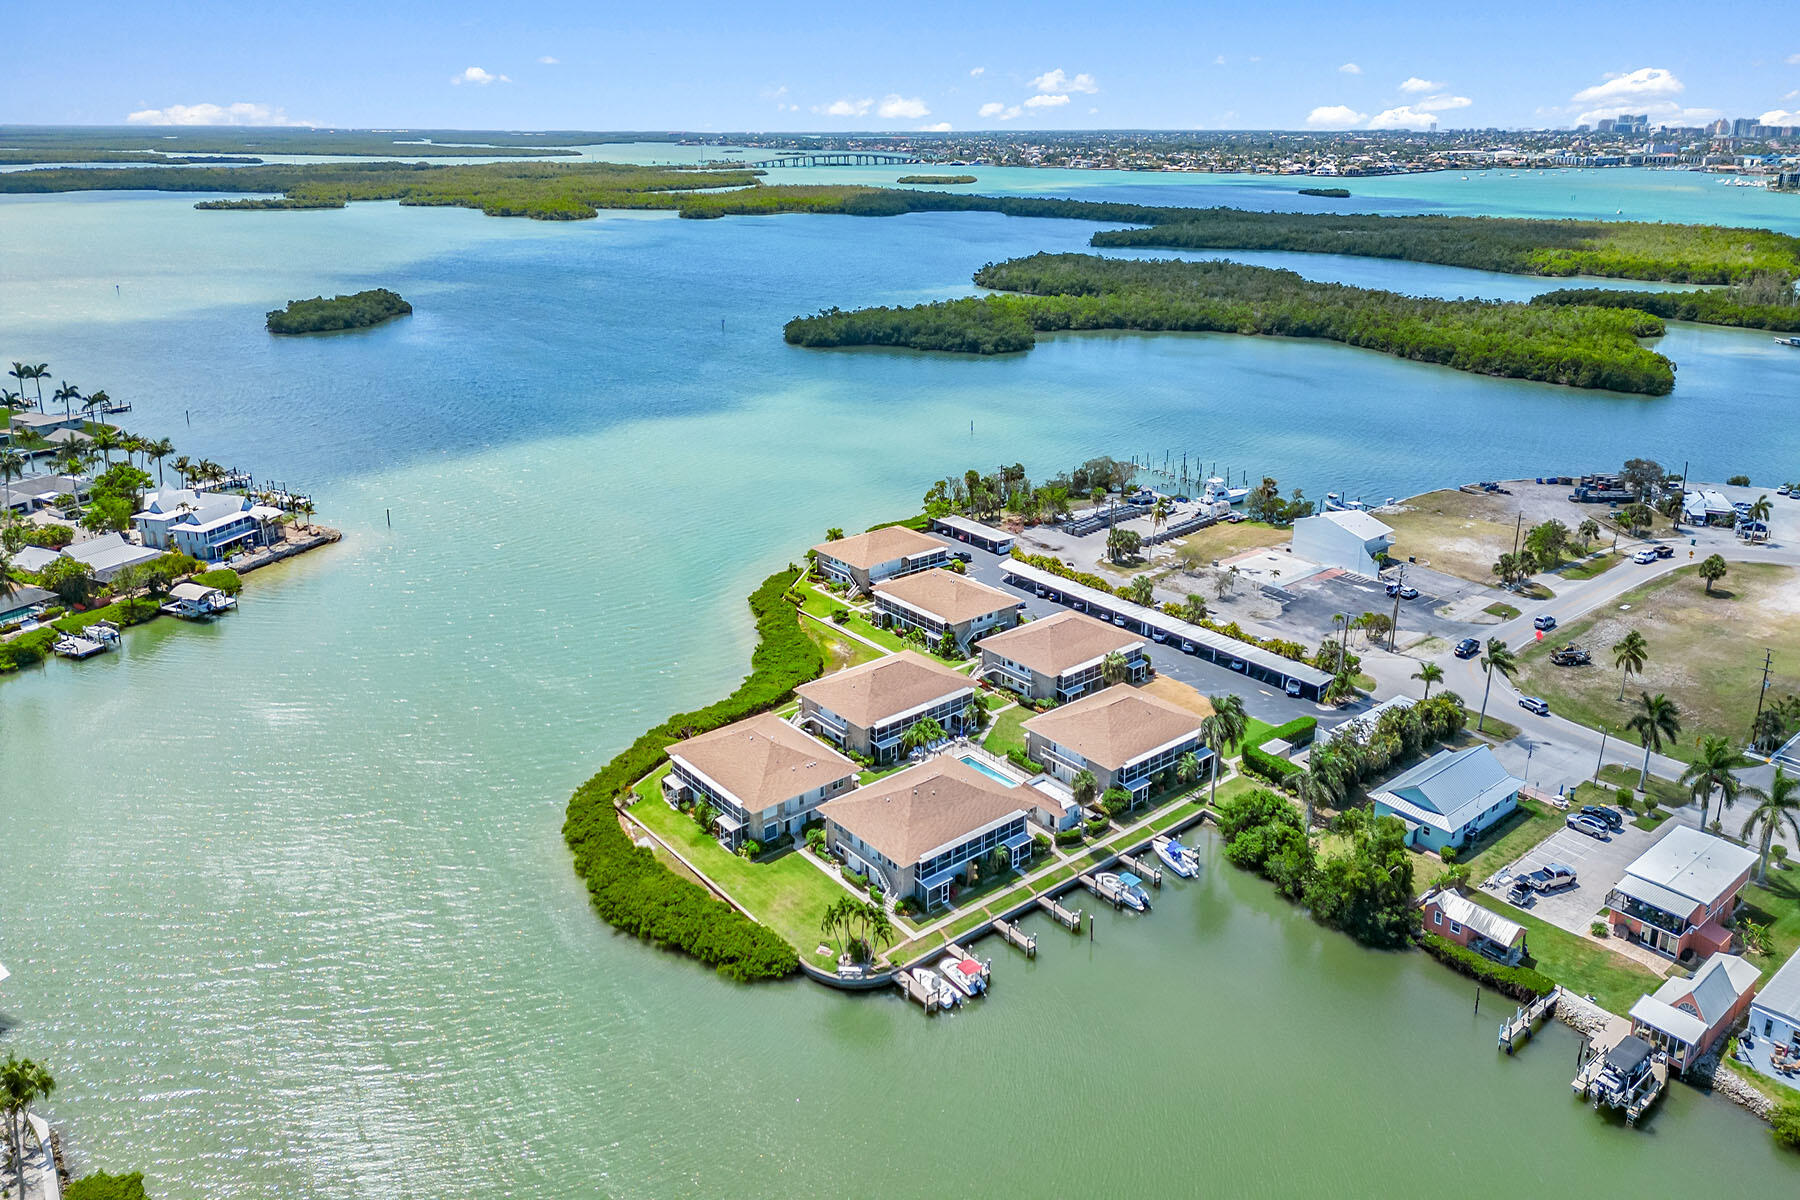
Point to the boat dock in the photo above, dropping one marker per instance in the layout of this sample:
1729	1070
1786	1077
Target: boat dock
912	989
1063	916
1146	871
1520	1026
1114	896
1621	1071
1014	936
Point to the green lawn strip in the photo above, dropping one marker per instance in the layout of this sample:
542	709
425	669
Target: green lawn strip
1581	964
787	893
1008	731
871	774
1663	791
1505	612
1492	727
1509	839
1648	823
1775	905
1590	568
840	649
141	611
996	700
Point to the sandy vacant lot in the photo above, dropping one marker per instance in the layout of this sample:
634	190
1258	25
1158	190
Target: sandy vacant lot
1462	534
1706	652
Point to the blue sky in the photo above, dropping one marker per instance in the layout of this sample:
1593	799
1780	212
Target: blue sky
1045	65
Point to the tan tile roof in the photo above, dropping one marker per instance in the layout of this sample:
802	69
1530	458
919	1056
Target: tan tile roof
946	595
1114	726
923	807
870	694
763	760
866	550
1055	644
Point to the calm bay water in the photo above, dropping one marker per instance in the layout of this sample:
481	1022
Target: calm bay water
293	915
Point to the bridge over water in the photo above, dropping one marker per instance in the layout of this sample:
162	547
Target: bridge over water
857	158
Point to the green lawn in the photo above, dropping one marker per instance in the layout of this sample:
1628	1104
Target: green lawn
1505	612
1492	726
787	893
1008	730
1581	964
841	650
1511	838
1776	905
1665	792
1589	568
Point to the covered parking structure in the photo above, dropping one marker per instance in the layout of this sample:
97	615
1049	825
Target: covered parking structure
1261	664
994	541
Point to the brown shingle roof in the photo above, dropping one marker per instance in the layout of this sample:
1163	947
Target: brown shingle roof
871	549
763	760
946	595
921	808
1114	726
1059	643
870	694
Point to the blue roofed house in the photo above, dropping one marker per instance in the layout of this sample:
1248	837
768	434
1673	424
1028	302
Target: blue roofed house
1448	799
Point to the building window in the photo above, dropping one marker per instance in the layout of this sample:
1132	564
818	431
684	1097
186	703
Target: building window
1437	918
1455	928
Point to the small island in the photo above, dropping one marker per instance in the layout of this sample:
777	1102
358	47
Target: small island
320	315
1327	193
937	180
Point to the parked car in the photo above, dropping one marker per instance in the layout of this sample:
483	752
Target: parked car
1403	590
1521	893
1545	622
1570	655
1665	552
1646	555
1292	687
962	556
1589	826
1550	877
1534	704
1467	648
1237	664
1608	817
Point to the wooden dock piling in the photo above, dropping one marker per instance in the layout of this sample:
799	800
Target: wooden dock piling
912	989
1141	869
1014	936
1065	916
1519	1027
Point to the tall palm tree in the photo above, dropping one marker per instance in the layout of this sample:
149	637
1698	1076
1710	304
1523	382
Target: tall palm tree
7	585
879	927
1193	609
1588	530
1326	780
305	509
1085	786
66	395
1228	726
96	402
1115	668
160	449
22	1084
1657	721
1711	771
184	467
1761	509
1498	658
1630	653
1431	673
106	440
22	373
1778	808
921	734
1159	513
39	373
12	466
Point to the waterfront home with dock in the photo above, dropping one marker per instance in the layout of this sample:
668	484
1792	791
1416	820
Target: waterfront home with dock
1684	1018
764	777
1678	895
1775	1024
1060	657
33	492
197	602
868	709
941	600
917	831
868	558
1456	918
22	602
1123	735
1448	799
207	525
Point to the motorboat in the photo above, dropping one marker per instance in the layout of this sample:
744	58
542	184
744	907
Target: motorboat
1788	341
1216	490
1177	857
948	997
1114	885
1336	503
966	975
74	646
1133	886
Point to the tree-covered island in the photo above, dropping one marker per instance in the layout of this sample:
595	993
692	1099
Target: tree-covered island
936	180
358	311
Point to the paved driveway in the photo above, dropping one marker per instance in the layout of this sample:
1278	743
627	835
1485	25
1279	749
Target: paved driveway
1598	866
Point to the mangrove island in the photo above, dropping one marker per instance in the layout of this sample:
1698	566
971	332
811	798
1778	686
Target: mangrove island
358	311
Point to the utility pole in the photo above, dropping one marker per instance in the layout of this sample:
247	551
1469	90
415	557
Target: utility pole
1518	528
1394	628
1763	692
1602	757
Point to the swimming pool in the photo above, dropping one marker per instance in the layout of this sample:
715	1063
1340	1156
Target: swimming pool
971	760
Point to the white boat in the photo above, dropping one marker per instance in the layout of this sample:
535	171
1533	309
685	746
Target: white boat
1336	503
948	997
72	646
4	973
1111	884
1216	490
1177	857
966	975
1788	341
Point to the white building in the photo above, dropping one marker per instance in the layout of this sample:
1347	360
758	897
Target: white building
207	525
109	554
1350	541
1775	1013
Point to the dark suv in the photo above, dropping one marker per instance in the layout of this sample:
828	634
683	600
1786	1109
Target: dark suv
1467	648
1606	816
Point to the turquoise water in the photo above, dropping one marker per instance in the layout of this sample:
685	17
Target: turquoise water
293	914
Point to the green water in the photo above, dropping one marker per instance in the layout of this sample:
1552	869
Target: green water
292	915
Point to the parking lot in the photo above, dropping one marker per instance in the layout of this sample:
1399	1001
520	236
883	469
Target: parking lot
1598	865
1316	601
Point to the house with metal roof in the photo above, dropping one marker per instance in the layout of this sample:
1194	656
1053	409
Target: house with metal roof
1684	1018
762	776
1677	897
866	559
1124	736
1454	917
939	601
919	831
208	525
110	553
995	541
1448	799
1350	540
1060	657
1775	1021
867	710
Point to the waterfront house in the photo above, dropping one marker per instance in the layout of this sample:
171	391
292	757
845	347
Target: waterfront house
1349	540
994	541
22	602
109	554
1123	735
34	558
941	600
868	709
34	492
763	776
1684	1018
1678	895
1705	506
917	832
1059	657
208	525
1448	799
1775	1018
46	423
1456	918
866	559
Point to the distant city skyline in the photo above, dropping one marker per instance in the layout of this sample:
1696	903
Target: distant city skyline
709	66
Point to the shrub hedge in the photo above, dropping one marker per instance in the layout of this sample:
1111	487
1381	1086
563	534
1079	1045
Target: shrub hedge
1276	770
101	1186
1519	983
224	578
628	887
26	649
1297	732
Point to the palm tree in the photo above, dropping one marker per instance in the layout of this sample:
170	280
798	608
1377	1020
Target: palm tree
1224	729
1141	590
921	734
974	716
879	926
1187	767
160	449
96	402
7	585
106	440
39	373
1193	609
305	509
1324	781
1431	673
1630	653
1711	771
66	395
1115	668
1779	804
1588	530
1761	509
1657	721
12	466
1159	513
22	1083
1084	787
1498	658
22	373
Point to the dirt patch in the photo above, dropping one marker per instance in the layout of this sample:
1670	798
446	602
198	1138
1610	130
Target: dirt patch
1462	533
1180	695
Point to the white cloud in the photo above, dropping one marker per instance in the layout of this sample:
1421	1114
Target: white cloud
940	127
1046	102
1058	81
992	108
774	93
1334	116
1662	112
1441	103
1776	116
1415	85
846	108
550	60
906	108
241	113
1218	60
1404	117
478	77
977	72
1632	86
1350	69
1793	60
